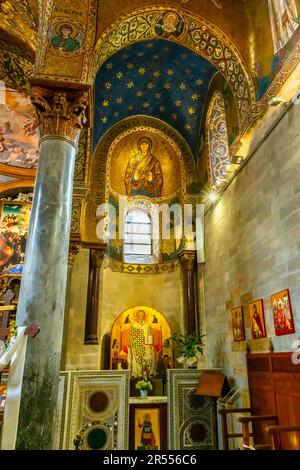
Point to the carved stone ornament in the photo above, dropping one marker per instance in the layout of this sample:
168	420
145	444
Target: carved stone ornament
60	112
74	248
188	259
97	257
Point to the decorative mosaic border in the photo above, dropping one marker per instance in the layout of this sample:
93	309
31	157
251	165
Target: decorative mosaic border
178	379
159	268
82	158
113	383
76	212
200	35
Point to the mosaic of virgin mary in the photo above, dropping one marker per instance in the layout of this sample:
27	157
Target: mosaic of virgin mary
143	173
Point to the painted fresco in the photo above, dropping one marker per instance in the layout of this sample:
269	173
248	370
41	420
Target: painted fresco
18	130
13	236
140	341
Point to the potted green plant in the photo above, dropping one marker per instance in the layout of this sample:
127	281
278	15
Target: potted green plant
144	386
190	348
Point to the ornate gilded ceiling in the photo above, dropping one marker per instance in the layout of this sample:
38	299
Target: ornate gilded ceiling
254	44
153	78
15	66
19	23
25	9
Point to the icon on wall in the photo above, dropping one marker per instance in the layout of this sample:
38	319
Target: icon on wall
147	429
238	328
257	319
282	313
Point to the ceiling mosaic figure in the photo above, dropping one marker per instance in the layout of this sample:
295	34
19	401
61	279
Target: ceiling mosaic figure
143	173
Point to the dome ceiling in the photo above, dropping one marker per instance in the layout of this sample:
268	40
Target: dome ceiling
153	78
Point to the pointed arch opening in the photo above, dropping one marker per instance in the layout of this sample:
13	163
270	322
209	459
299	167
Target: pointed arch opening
218	153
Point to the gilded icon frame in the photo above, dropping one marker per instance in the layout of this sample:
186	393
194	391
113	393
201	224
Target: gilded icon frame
257	319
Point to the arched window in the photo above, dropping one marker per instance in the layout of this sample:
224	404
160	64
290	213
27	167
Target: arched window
217	140
138	239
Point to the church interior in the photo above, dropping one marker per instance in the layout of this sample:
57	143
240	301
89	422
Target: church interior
149	225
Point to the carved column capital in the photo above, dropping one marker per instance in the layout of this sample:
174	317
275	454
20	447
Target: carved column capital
74	248
97	257
97	252
60	111
188	259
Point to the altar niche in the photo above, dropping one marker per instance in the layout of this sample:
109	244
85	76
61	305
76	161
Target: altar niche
141	342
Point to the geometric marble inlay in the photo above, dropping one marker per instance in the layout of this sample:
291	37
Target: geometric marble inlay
95	409
98	401
191	418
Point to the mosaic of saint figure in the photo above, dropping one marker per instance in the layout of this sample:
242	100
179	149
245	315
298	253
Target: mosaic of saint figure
64	41
143	173
257	328
147	435
169	25
284	20
140	341
141	352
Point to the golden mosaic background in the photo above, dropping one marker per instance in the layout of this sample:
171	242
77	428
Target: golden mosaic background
126	147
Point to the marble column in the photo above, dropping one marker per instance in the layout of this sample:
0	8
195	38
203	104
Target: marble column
74	248
60	114
92	306
188	262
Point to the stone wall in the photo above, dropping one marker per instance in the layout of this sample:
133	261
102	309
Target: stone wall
78	355
253	245
118	292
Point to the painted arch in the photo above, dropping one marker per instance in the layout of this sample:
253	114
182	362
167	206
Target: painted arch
193	32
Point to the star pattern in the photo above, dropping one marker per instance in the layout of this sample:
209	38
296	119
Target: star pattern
150	78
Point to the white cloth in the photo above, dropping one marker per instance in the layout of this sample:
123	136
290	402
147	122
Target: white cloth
15	355
15	343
